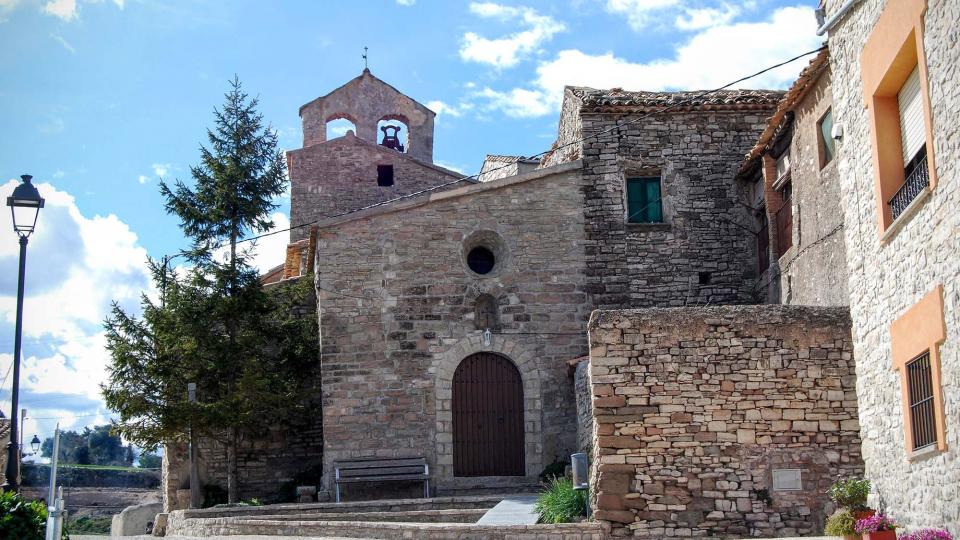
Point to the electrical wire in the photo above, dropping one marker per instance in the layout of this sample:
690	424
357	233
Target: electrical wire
616	128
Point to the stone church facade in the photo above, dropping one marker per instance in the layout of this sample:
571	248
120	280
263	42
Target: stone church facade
453	311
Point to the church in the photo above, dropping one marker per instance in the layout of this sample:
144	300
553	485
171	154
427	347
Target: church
454	309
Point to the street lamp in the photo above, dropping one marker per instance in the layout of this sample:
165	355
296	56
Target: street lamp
35	444
25	205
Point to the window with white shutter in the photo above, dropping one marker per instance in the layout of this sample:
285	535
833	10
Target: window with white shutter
912	133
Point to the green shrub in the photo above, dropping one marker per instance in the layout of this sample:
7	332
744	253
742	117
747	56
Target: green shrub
560	503
850	493
554	470
841	523
89	525
22	519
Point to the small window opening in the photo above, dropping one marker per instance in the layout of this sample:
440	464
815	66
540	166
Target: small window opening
384	175
339	127
920	393
393	133
481	260
644	204
486	313
704	278
826	140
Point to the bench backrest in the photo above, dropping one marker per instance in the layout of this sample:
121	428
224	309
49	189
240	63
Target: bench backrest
374	467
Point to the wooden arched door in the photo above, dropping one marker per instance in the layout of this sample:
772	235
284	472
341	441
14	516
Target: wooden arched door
487	417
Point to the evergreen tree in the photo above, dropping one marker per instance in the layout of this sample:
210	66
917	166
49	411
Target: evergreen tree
215	326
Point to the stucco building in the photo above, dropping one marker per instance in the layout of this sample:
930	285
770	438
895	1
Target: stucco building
896	97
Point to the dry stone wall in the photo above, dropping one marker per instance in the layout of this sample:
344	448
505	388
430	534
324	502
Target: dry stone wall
706	225
696	409
887	277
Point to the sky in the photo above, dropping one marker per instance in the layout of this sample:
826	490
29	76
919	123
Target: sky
101	99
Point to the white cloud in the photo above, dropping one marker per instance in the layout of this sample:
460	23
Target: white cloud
443	109
143	179
66	45
507	51
639	12
406	2
76	266
7	7
455	168
64	9
160	169
698	19
709	59
59	174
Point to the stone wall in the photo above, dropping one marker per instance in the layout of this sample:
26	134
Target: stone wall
583	395
341	174
813	271
888	276
695	408
706	228
397	308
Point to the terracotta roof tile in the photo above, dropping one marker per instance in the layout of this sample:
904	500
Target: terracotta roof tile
593	99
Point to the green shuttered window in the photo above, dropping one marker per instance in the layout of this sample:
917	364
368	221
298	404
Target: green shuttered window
643	200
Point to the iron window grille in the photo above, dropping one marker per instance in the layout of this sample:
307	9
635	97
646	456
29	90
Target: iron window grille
920	393
917	178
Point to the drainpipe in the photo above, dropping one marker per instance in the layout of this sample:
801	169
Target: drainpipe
825	25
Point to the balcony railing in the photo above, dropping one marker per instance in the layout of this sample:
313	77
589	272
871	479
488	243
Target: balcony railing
916	182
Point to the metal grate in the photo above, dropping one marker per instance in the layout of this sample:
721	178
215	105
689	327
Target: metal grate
917	180
920	389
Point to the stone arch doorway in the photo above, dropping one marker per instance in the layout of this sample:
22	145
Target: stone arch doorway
488	408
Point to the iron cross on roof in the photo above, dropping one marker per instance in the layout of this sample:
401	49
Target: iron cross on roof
364	55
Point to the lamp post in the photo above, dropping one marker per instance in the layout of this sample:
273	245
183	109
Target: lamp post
25	205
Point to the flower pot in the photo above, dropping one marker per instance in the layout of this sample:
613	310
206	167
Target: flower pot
881	535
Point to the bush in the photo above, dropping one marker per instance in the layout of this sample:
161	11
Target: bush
928	534
22	519
841	523
850	493
875	523
560	503
89	525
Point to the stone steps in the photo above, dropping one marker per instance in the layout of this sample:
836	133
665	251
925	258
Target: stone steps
475	502
454	515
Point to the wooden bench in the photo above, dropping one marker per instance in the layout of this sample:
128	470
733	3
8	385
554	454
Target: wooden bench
382	470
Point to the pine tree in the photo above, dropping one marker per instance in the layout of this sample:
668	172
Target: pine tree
215	326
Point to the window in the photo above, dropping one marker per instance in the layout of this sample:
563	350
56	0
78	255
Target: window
895	90
784	220
915	340
920	394
384	175
481	260
643	200
825	135
763	240
783	167
787	480
486	313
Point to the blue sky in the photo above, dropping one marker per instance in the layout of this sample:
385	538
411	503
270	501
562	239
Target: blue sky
101	98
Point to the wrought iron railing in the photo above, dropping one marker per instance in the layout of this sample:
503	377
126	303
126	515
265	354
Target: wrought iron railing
915	183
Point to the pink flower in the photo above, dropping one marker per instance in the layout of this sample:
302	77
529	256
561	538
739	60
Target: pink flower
928	534
875	523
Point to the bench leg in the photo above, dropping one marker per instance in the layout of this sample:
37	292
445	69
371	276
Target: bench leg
426	489
337	489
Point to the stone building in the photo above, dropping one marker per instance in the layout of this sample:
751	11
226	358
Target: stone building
453	310
895	95
795	191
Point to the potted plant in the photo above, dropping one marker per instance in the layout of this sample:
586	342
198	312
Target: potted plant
851	493
928	534
877	527
842	523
